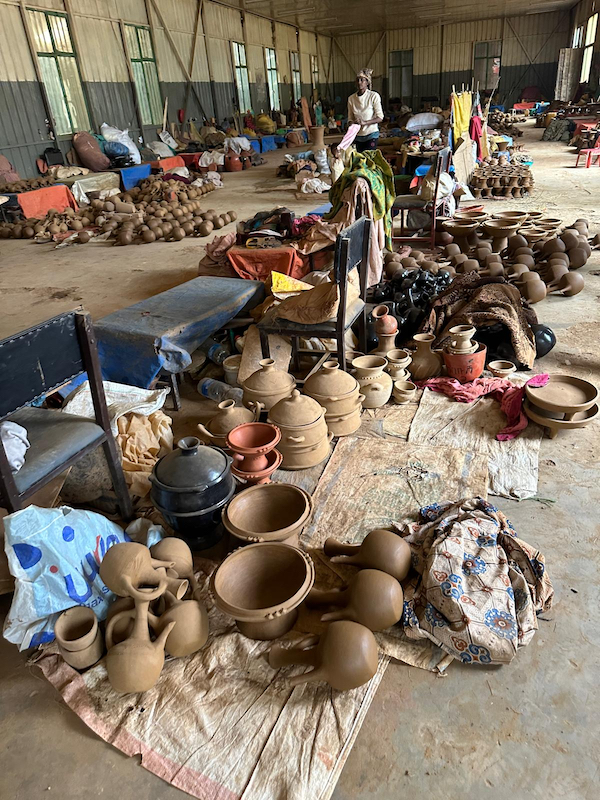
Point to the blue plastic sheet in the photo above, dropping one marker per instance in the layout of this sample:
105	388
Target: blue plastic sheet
131	176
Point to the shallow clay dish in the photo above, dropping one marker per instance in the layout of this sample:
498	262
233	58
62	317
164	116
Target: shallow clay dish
563	393
501	369
274	512
554	423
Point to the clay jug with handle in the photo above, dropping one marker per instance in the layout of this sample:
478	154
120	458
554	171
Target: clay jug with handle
191	631
127	566
380	549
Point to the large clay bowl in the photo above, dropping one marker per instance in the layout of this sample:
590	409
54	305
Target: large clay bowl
511	216
261	587
564	394
554	422
474	216
273	512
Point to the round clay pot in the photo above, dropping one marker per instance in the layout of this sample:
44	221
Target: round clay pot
80	641
466	367
191	629
273	512
380	549
304	435
568	285
261	587
250	444
339	394
375	384
460	340
425	363
501	369
128	566
260	476
267	385
404	392
385	323
228	418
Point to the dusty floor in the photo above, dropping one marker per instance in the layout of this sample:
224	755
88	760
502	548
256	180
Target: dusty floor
528	730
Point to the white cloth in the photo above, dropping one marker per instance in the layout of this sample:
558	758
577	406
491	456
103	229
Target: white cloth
15	442
365	106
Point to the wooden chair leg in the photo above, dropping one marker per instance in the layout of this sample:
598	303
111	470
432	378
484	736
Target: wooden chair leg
362	331
118	479
264	343
175	388
341	349
296	352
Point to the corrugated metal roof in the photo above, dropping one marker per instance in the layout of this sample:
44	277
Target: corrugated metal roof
15	61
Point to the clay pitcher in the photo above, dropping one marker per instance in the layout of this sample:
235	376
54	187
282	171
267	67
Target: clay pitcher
384	321
127	566
123	611
380	549
191	631
345	657
171	548
372	598
425	363
135	664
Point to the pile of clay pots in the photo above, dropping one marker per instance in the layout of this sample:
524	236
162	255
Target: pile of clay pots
501	179
151	617
503	123
26	185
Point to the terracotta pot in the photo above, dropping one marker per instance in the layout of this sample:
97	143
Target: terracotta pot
398	374
273	512
404	392
80	641
260	476
380	549
339	394
317	133
375	384
250	444
372	598
384	321
135	664
228	418
127	566
267	385
467	367
261	587
425	362
460	340
233	163
191	629
345	657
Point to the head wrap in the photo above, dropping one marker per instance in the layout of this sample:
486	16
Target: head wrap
366	73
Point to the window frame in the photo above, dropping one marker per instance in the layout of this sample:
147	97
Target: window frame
578	37
489	63
591	33
296	75
243	68
55	55
145	60
315	76
402	67
272	71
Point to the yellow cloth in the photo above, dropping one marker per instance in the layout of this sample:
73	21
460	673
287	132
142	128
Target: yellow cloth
461	110
143	440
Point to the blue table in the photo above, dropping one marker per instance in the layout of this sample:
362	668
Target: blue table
136	343
131	176
267	143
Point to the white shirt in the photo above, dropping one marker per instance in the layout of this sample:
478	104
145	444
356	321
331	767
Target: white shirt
365	106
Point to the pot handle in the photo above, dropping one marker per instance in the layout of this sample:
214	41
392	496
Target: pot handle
205	432
329	436
296	439
237	457
108	636
361	397
257	407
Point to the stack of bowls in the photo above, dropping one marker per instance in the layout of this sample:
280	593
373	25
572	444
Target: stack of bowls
565	402
339	394
305	441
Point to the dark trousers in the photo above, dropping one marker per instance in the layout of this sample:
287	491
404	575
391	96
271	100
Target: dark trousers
369	144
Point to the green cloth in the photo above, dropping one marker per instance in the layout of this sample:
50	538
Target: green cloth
373	167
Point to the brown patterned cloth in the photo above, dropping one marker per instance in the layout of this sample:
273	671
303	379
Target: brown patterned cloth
481	302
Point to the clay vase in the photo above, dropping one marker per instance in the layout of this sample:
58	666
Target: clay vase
384	321
380	549
372	598
126	566
135	664
122	627
191	631
250	444
345	657
228	418
267	385
317	133
80	641
460	340
375	384
387	342
425	362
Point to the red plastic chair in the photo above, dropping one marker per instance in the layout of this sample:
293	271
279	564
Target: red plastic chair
589	153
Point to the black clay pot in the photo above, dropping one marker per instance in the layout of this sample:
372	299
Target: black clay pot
544	339
190	487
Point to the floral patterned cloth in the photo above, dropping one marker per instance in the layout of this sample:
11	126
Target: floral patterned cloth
478	588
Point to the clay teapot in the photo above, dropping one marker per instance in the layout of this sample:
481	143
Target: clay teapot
380	549
372	598
345	657
228	418
191	631
127	566
135	664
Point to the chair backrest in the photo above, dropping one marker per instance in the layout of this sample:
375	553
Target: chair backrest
352	251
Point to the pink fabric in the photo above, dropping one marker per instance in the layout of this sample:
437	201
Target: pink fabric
350	136
505	392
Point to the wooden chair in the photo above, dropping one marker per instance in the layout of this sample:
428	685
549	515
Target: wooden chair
405	203
34	363
589	153
352	249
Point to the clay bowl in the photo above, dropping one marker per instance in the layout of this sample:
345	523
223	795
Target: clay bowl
272	512
564	393
501	369
404	392
553	221
534	215
263	475
511	216
500	230
534	234
250	442
261	587
555	422
475	216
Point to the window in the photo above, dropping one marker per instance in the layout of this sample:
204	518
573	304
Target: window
60	72
401	75
145	74
241	77
272	79
314	72
296	80
578	36
590	38
486	64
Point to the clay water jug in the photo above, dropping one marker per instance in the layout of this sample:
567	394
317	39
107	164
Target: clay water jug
228	418
384	321
191	631
375	384
178	552
345	657
127	566
380	549
135	664
372	598
425	363
122	627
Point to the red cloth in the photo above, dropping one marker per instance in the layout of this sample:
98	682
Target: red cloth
505	392
257	265
191	159
475	131
168	163
38	202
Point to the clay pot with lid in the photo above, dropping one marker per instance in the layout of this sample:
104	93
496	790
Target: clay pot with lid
345	657
129	570
380	549
261	587
267	385
228	418
425	362
80	641
372	598
305	439
339	394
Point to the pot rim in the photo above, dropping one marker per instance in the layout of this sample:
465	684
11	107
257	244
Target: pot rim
265	487
258	450
82	642
201	512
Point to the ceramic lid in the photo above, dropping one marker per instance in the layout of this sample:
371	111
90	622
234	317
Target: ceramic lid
192	465
296	410
330	381
268	379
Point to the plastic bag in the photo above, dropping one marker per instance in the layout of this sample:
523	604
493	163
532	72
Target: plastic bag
54	555
116	149
115	135
322	163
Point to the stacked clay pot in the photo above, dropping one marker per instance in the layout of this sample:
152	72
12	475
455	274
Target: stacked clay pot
267	385
253	448
501	180
339	394
305	440
79	638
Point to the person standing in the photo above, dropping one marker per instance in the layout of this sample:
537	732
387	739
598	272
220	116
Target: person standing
365	109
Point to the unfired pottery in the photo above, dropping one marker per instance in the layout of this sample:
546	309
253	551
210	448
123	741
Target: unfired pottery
339	394
404	392
191	631
80	641
127	566
267	385
178	552
305	440
425	362
501	369
460	340
228	418
273	512
557	421
380	549
345	657
563	394
375	384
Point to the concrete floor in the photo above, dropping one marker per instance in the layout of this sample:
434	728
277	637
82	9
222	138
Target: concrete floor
528	730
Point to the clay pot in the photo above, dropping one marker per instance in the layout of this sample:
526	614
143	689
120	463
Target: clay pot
127	566
317	133
577	257
261	587
339	394
533	291
80	641
500	230
380	549
250	444
178	552
385	323
260	476
372	598
501	369
267	385
568	285
466	367
398	361
135	664
460	340
228	418
375	384
461	229
387	342
233	163
191	629
404	392
304	437
273	512
345	657
425	363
